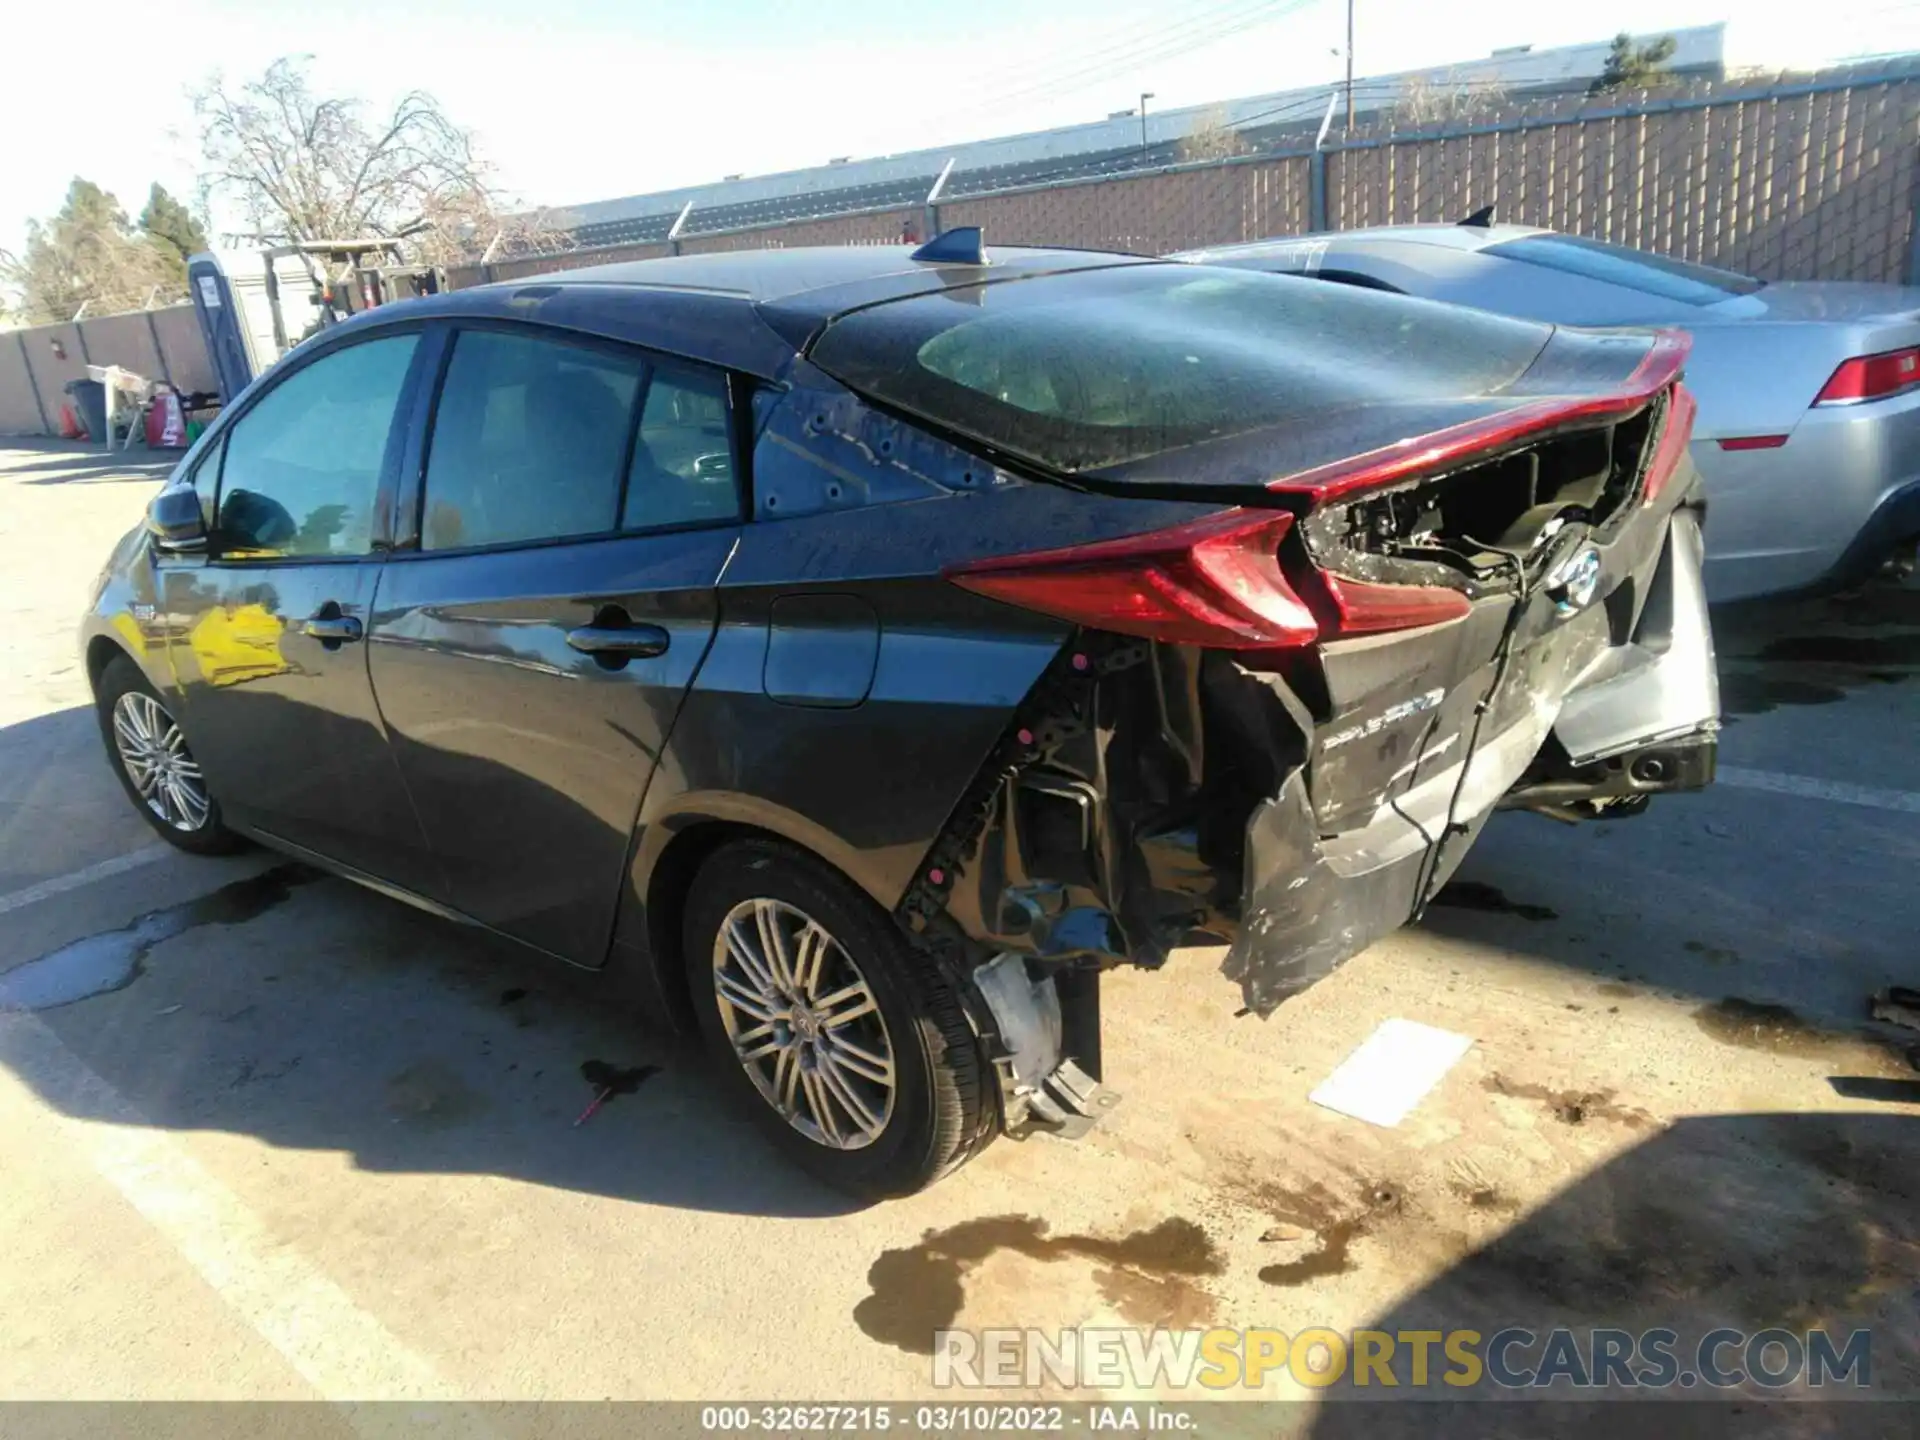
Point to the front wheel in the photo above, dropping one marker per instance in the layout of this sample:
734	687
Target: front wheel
160	774
845	1042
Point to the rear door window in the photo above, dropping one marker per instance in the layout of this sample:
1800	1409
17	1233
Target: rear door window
682	470
302	465
529	441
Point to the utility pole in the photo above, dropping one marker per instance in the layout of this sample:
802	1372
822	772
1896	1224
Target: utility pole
1145	95
1349	67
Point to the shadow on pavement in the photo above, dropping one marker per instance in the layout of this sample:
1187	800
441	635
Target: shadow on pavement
314	1014
1736	893
1749	1222
60	462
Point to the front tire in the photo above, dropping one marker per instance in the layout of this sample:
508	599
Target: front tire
160	774
844	1041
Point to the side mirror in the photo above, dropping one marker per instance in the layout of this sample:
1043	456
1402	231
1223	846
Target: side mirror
175	522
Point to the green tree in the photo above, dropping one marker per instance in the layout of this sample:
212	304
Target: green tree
1634	67
87	254
173	231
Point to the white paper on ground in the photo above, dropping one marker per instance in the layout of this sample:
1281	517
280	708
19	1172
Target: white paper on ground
1391	1072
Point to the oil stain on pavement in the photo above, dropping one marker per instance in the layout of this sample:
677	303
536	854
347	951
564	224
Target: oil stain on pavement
100	964
1571	1107
1314	1208
1148	1276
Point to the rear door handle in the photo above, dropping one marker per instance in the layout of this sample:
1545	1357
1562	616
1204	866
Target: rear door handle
334	628
630	641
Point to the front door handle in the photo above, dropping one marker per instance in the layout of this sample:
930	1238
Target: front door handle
332	628
619	641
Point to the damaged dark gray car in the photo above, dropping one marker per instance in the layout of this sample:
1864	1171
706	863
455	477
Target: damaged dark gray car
860	651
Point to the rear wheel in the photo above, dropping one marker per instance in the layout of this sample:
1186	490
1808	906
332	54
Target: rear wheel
149	752
845	1042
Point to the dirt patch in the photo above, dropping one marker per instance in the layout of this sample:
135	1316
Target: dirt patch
1475	895
1147	1275
1572	1107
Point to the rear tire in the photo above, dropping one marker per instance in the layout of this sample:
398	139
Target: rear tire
148	752
850	1048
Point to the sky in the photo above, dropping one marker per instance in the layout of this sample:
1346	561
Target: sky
579	100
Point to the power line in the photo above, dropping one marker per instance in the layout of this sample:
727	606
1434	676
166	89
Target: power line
1020	76
1190	35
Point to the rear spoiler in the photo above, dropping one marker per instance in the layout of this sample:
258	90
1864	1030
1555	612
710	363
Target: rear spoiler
1439	449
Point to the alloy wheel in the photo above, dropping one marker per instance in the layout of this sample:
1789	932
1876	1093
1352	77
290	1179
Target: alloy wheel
157	761
804	1024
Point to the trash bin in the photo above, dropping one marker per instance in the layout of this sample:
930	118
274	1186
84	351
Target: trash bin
90	403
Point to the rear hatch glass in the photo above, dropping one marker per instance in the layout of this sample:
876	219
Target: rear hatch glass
1092	369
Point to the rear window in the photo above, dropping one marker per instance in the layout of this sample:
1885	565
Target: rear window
1670	279
1102	367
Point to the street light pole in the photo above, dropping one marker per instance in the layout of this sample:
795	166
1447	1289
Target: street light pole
1349	66
1145	95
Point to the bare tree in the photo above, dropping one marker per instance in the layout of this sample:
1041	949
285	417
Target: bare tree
1213	137
1423	102
300	167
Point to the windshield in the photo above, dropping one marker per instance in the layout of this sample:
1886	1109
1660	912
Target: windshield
1660	275
1100	367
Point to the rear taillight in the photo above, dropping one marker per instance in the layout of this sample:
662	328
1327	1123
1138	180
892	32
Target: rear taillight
1215	582
1675	431
1872	377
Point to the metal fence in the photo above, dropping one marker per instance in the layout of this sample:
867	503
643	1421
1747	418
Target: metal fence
1808	178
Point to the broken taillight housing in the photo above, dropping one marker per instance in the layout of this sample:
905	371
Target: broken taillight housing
1214	582
1675	431
1871	377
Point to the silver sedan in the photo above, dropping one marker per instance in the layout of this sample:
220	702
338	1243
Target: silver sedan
1808	433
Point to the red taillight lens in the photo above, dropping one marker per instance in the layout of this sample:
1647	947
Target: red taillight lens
1675	431
1215	582
1871	377
1360	607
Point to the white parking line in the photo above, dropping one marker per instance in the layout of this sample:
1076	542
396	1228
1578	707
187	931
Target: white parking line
335	1346
73	880
1904	801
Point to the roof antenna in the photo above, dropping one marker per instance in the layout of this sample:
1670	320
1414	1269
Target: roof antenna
962	245
1480	219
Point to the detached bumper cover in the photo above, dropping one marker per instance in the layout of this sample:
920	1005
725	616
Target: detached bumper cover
1641	718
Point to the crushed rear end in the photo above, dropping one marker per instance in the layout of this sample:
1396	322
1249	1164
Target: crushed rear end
1280	723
